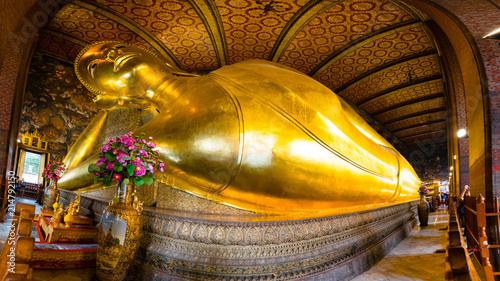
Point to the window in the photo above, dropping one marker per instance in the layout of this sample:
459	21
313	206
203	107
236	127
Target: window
31	169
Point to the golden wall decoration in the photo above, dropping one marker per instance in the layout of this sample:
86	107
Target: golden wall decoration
34	140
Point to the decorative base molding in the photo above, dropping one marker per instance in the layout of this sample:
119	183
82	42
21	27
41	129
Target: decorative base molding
183	245
175	248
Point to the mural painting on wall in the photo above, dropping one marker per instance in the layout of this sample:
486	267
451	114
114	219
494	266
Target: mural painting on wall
55	103
430	162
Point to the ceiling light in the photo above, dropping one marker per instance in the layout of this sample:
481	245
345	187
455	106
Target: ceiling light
454	157
451	168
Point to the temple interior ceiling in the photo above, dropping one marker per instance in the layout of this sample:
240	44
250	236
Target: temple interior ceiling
378	54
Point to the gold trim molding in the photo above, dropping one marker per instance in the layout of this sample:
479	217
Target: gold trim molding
34	140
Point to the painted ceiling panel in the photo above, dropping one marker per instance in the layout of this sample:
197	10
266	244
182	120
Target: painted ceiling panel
392	47
396	75
403	95
337	27
176	24
421	129
375	53
58	47
93	27
251	28
397	113
421	119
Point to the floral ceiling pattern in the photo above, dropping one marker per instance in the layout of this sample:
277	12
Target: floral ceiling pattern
377	54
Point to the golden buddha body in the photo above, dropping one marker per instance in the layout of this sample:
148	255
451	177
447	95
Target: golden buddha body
255	135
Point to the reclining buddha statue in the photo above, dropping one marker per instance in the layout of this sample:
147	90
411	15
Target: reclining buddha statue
253	135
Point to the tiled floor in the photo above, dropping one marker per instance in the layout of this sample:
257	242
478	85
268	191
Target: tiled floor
415	258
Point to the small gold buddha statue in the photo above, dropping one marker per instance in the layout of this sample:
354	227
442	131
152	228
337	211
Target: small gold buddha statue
255	135
56	204
75	210
68	218
137	204
58	216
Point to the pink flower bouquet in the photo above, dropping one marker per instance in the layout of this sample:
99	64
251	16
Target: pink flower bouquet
423	190
54	171
126	159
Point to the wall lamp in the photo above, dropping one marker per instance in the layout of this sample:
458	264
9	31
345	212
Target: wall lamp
462	133
493	35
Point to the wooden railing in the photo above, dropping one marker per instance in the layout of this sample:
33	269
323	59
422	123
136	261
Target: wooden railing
475	231
20	245
31	191
458	264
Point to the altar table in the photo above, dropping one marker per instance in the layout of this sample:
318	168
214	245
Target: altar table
59	233
78	219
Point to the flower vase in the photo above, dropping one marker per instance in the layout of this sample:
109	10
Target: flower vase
50	195
423	211
119	234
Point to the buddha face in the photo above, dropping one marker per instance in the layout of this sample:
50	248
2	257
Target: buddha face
120	70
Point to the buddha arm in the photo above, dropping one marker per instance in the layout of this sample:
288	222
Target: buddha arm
88	142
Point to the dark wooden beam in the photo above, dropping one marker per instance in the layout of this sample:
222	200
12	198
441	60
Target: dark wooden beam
419	125
322	66
65	35
300	19
416	114
383	67
50	54
423	134
414	101
209	15
399	87
413	145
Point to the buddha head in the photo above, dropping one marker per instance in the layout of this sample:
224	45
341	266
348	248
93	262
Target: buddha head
119	70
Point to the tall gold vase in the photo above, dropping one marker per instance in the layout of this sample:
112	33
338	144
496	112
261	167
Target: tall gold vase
50	195
423	211
119	234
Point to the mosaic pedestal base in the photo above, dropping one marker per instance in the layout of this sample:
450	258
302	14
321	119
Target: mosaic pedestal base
330	248
226	244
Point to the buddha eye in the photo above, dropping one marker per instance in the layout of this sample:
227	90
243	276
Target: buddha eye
92	67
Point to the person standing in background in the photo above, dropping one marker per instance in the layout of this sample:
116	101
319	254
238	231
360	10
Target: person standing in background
461	205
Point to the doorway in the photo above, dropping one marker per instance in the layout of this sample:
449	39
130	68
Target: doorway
30	166
31	169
